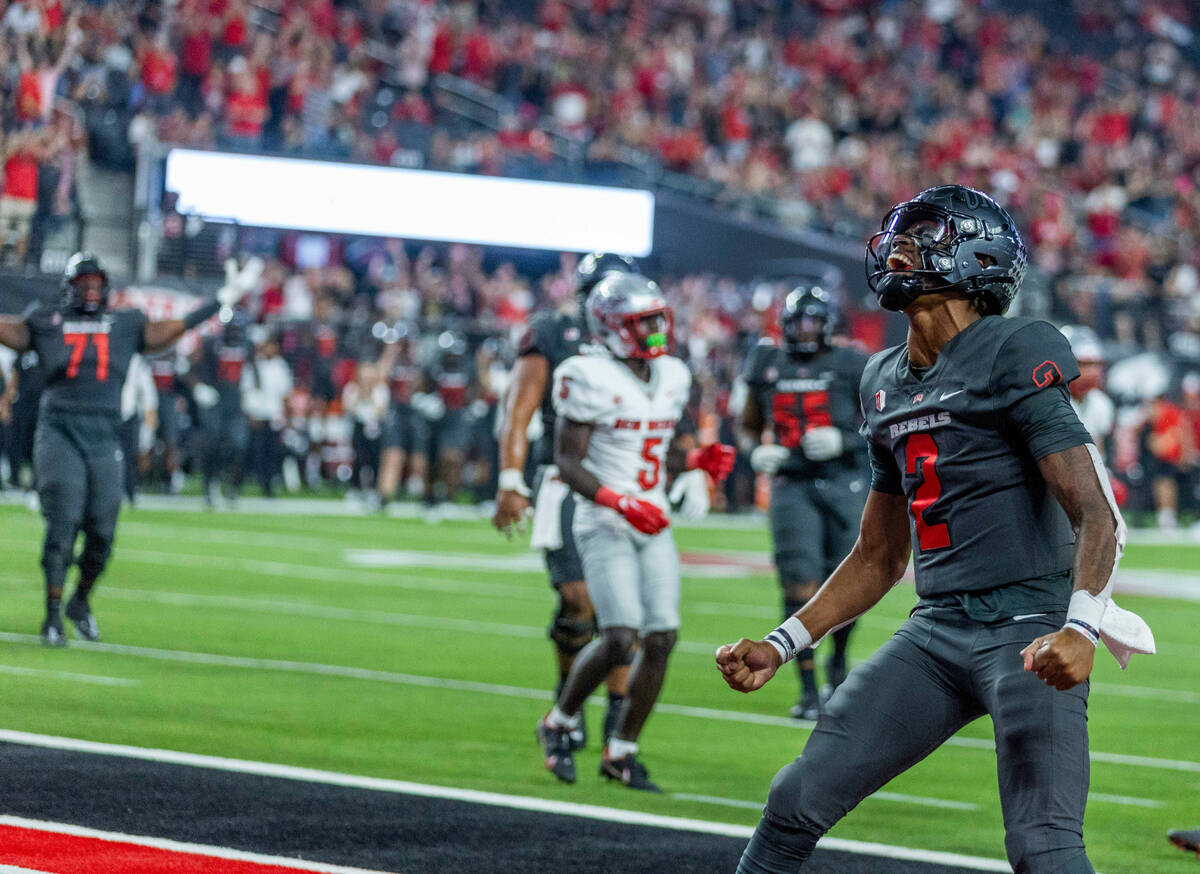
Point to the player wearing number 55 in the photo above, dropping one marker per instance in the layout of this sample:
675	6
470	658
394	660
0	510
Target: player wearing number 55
84	349
981	471
618	409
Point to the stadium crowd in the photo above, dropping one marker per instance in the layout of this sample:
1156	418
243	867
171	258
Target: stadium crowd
795	104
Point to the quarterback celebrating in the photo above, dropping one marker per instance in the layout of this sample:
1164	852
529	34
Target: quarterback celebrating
84	350
617	412
982	471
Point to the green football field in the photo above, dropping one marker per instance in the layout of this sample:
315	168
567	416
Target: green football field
417	651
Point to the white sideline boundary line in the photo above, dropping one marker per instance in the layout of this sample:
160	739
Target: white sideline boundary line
451	684
474	796
215	852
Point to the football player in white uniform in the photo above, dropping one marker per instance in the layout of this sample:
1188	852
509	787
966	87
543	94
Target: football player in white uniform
617	410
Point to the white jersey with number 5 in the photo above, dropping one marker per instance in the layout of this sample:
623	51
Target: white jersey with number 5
633	421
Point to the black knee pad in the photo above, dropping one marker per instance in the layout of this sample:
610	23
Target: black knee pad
571	635
658	644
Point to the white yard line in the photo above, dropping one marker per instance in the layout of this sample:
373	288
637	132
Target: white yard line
495	799
95	679
446	683
63	828
504	629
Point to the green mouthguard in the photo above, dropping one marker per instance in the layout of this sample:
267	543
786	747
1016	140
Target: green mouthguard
656	340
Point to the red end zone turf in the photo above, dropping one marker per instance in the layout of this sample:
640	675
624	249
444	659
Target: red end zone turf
57	853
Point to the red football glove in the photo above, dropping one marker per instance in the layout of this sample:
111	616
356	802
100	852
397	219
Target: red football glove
645	517
715	459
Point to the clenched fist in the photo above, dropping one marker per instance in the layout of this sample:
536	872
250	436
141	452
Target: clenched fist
1062	659
748	664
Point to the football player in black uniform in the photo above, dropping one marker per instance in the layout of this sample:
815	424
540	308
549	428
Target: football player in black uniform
551	338
217	388
84	350
982	472
807	391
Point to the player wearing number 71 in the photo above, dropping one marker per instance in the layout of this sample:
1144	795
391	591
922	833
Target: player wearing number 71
983	473
618	407
84	351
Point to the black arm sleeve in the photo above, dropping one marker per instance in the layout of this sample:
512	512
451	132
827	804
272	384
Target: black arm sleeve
1047	422
885	476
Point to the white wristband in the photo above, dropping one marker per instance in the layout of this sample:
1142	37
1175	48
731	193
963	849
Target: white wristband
1085	613
512	480
789	639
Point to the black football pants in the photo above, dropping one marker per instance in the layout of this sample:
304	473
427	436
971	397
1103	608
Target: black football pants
78	492
940	671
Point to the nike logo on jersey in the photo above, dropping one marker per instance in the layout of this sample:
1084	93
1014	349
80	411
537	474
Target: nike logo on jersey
950	394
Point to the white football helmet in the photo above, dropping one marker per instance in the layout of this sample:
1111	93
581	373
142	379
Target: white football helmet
628	314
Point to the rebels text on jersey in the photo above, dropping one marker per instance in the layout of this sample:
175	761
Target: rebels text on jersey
84	360
798	395
633	421
961	441
556	337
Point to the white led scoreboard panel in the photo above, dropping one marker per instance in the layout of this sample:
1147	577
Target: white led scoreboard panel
389	202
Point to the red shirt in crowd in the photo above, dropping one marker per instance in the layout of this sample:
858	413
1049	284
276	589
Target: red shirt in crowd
234	34
197	50
21	175
29	97
246	112
158	71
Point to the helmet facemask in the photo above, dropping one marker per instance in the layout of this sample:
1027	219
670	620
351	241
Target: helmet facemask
925	248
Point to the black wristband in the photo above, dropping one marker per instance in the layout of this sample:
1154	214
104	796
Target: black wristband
200	314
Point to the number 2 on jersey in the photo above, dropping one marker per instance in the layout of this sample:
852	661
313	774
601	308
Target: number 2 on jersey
921	451
648	479
78	343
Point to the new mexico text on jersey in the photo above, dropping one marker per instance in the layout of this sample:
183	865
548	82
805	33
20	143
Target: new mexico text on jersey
633	421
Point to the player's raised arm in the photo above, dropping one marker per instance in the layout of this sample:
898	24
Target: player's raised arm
876	563
14	333
521	402
162	333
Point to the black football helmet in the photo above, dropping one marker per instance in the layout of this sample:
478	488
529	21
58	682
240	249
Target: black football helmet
807	302
76	298
594	266
965	241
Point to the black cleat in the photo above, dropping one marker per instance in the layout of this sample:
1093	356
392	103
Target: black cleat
52	632
83	620
556	744
628	771
1187	839
809	707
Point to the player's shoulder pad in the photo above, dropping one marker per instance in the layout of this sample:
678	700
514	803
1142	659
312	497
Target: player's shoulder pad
580	388
1031	355
759	358
537	338
35	312
878	375
676	368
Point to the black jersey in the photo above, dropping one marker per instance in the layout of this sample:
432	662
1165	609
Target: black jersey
84	360
222	366
961	441
555	336
797	395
